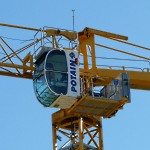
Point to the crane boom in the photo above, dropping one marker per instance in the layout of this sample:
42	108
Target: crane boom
138	79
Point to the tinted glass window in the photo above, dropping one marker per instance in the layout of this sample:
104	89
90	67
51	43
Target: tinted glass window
44	95
57	81
56	60
56	72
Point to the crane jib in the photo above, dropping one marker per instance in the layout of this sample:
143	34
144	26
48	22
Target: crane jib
73	76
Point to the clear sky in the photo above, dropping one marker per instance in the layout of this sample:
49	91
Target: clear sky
24	123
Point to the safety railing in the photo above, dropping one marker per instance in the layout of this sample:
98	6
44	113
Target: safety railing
115	90
106	65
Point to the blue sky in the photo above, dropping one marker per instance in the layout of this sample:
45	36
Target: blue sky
24	123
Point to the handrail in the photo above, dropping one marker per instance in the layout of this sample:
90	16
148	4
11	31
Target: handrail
123	59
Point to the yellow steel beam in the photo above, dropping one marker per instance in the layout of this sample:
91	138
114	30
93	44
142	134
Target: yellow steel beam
24	71
54	136
101	134
90	135
88	31
19	27
11	74
121	51
131	44
138	80
57	32
121	103
16	66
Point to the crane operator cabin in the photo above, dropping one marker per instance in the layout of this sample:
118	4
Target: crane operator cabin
57	82
56	77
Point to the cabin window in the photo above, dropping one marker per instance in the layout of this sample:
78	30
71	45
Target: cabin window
56	72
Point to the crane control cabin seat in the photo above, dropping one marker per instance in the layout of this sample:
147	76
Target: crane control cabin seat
56	77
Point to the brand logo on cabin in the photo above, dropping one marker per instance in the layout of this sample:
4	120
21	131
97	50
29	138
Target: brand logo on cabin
73	79
72	55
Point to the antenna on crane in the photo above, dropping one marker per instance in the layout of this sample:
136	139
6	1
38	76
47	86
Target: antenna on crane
73	18
73	24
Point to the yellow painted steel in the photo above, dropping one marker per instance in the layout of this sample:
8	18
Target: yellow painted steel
97	106
68	34
81	114
87	32
114	49
138	80
83	125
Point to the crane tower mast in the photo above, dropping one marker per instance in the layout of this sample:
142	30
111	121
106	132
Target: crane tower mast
81	121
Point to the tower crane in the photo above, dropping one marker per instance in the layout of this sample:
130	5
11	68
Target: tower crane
63	65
